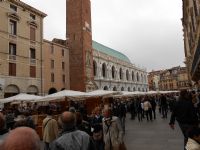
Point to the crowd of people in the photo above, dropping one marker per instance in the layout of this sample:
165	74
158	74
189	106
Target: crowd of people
103	129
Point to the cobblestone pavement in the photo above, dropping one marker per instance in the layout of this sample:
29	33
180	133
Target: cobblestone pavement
155	135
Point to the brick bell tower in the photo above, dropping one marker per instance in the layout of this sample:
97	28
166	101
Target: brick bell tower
79	41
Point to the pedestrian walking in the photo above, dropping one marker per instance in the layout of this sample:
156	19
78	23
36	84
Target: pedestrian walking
185	114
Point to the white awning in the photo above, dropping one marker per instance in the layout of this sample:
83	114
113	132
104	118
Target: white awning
20	97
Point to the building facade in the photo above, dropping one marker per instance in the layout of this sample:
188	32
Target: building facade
191	29
153	80
114	71
175	78
21	37
31	64
55	66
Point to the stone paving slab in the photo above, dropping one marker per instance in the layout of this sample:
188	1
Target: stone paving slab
155	135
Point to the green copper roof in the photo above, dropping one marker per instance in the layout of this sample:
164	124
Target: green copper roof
104	49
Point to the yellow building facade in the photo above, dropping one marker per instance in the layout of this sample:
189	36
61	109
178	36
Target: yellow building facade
191	29
21	36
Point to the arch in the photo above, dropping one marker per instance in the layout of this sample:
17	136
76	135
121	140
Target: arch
129	89
94	68
120	74
127	75
114	88
104	70
138	78
141	78
105	88
133	76
122	88
138	89
133	88
113	72
52	90
11	90
32	89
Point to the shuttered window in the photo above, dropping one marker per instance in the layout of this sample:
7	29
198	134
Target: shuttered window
33	71
12	69
32	33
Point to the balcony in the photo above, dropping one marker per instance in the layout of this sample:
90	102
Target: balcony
32	61
12	57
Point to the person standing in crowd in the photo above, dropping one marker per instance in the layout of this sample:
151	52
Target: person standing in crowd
147	109
82	124
132	109
22	138
3	130
97	137
163	105
71	138
112	130
139	109
193	142
185	114
9	119
97	118
29	120
50	129
122	114
153	106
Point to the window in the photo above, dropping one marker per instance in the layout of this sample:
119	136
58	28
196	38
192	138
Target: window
13	27
133	76
32	53
63	52
52	64
127	75
104	70
32	16
138	78
113	72
63	65
33	71
32	33
94	68
12	69
52	77
13	8
52	49
63	78
12	49
120	74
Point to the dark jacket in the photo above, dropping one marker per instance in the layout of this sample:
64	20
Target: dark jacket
184	112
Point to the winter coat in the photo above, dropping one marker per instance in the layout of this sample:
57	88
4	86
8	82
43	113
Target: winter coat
113	133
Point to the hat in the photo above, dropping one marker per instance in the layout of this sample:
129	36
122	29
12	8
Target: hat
97	128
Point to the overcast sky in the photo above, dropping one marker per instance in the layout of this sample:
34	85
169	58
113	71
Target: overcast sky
149	32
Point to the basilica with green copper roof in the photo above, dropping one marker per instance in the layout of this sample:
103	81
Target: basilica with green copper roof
109	51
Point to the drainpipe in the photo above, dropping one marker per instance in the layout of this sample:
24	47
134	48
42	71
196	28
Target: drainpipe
41	55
